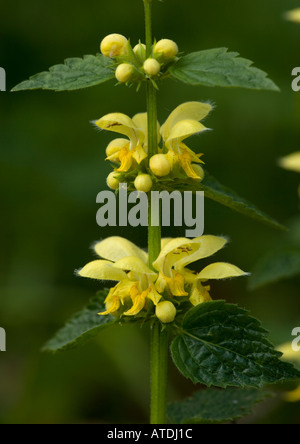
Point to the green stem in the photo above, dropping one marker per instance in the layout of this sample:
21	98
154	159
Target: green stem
159	369
159	338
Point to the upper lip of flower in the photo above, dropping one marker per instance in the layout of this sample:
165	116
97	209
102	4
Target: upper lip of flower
178	253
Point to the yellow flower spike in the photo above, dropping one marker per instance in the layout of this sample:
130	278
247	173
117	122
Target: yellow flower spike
293	15
160	165
112	181
115	248
143	182
291	162
114	45
165	312
102	270
165	49
220	270
152	67
124	72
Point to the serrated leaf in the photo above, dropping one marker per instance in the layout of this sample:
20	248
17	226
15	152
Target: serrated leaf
218	67
81	327
222	345
212	406
214	190
276	265
75	73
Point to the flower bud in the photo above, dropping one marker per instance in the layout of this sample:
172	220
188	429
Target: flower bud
114	45
140	52
115	146
143	182
165	312
124	72
151	67
160	165
199	171
165	49
112	181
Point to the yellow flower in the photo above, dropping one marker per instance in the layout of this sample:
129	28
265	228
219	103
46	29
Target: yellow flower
166	49
291	355
182	123
293	15
178	253
126	264
291	162
126	151
114	45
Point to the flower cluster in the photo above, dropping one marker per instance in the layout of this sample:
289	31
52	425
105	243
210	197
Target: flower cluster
140	289
174	158
132	64
292	163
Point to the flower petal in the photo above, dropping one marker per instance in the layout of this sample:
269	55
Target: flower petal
173	245
121	124
203	246
141	122
187	111
291	162
139	154
102	270
184	129
220	270
133	263
115	248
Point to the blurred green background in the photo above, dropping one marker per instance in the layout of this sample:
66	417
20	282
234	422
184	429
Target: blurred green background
52	167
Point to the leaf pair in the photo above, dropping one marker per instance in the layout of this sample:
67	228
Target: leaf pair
219	344
213	67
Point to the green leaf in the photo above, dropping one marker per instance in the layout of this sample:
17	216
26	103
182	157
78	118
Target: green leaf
212	406
75	73
225	196
276	265
218	67
81	327
222	345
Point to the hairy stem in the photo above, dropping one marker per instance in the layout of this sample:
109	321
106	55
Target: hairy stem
159	338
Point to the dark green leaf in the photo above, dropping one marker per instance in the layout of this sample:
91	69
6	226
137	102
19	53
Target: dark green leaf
218	67
215	406
276	265
222	345
225	196
81	327
75	74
